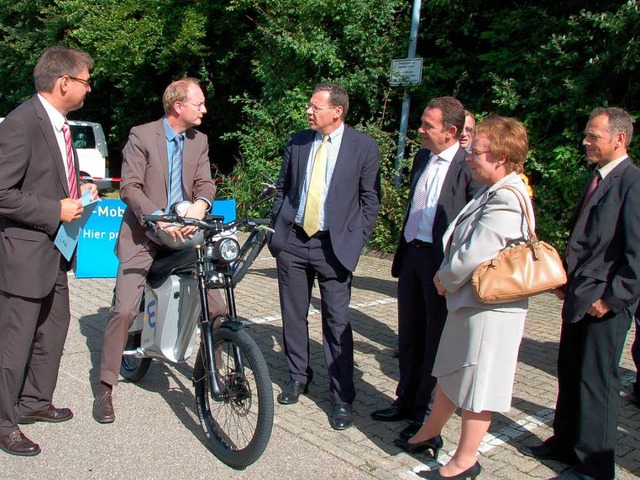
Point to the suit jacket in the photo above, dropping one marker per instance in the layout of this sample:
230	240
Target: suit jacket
603	254
32	183
485	226
145	179
458	188
352	200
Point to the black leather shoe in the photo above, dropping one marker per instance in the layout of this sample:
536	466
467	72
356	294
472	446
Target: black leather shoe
51	414
341	417
573	475
392	414
103	411
410	430
469	473
545	452
433	444
16	443
291	392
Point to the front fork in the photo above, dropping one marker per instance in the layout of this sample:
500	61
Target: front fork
207	329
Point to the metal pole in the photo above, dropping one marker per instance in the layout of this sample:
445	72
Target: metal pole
406	103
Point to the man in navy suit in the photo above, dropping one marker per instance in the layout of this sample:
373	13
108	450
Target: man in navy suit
441	185
323	214
603	270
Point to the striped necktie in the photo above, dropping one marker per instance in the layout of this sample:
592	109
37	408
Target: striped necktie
71	169
175	173
418	201
314	192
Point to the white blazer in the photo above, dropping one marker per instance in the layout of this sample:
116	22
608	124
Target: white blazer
490	222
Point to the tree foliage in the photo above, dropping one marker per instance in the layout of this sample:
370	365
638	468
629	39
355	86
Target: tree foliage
545	62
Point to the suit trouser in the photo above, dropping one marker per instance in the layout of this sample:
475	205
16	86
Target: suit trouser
129	289
32	336
299	262
635	354
586	417
422	313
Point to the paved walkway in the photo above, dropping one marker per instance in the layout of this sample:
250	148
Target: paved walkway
156	434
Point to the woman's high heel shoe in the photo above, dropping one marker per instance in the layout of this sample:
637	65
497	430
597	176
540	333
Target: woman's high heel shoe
469	473
434	444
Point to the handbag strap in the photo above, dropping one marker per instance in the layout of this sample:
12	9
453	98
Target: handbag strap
525	209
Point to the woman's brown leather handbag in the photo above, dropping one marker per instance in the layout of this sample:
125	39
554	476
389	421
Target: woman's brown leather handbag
520	271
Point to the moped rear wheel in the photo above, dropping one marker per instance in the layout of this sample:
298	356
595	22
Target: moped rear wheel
133	368
237	427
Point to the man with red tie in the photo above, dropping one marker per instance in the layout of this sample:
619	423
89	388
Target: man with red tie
602	260
39	191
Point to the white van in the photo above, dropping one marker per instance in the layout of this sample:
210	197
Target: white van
91	146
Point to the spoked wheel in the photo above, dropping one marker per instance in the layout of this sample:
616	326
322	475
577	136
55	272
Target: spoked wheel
133	368
239	426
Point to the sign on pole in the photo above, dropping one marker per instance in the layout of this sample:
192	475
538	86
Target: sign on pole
406	72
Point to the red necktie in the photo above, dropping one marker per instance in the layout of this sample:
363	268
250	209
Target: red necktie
71	169
592	188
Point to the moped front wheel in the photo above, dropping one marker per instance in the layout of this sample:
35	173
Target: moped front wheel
133	368
238	426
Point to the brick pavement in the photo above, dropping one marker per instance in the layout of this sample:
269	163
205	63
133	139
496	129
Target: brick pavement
365	451
368	446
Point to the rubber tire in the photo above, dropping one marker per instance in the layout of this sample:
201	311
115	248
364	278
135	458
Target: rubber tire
253	360
133	368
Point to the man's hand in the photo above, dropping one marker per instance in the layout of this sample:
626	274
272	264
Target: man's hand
197	211
559	292
70	209
90	186
174	230
598	309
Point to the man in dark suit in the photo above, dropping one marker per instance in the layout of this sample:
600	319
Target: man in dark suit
324	212
39	190
147	160
635	354
441	185
603	269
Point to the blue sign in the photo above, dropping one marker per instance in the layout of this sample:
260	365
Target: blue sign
96	257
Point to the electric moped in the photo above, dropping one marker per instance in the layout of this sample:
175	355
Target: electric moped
233	391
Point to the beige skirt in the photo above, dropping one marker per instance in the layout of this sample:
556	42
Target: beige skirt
477	356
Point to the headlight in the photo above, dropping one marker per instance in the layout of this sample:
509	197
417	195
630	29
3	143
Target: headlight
227	249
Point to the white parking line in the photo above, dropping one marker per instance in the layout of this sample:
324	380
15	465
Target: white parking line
498	438
313	311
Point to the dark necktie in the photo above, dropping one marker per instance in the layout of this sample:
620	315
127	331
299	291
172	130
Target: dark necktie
595	181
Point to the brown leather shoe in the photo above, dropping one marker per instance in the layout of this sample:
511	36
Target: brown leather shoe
16	443
103	406
51	414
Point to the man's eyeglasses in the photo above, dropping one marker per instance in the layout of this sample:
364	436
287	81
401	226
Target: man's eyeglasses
86	83
316	108
198	106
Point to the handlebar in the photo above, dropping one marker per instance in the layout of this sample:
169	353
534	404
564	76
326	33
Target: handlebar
211	222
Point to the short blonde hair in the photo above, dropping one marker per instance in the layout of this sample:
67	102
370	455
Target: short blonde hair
177	91
508	138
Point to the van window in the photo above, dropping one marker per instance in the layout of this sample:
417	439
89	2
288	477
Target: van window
82	136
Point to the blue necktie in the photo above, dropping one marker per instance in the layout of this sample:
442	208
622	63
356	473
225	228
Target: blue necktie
175	174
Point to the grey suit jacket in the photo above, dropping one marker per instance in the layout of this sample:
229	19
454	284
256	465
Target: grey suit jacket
603	253
352	200
145	179
32	183
484	227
